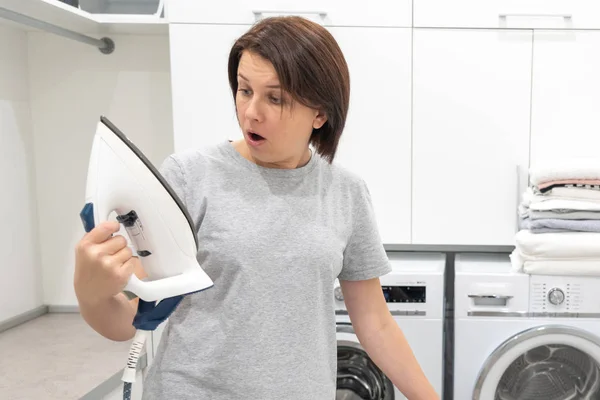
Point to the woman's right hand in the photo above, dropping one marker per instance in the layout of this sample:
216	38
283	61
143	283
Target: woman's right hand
103	264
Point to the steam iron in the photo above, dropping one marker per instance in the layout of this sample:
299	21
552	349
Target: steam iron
121	179
161	232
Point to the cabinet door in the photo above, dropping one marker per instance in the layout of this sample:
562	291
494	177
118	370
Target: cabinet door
566	96
376	142
550	14
470	133
203	106
396	13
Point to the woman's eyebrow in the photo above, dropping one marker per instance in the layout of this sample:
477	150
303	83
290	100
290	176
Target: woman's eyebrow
273	86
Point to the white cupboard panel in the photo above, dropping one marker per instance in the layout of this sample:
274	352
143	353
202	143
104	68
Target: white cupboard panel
203	106
376	142
566	96
328	12
550	14
470	133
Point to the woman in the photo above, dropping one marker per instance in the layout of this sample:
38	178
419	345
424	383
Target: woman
278	223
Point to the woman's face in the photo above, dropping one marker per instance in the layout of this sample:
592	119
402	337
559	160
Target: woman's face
276	135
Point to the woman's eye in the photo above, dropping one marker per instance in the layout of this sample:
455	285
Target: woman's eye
245	92
275	100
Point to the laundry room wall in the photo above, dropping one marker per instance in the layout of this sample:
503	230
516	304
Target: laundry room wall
71	85
21	283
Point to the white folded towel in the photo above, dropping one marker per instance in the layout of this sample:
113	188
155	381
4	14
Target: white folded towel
556	169
562	267
566	254
539	203
574	193
556	246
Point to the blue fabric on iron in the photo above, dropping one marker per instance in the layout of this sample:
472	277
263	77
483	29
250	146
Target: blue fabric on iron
150	315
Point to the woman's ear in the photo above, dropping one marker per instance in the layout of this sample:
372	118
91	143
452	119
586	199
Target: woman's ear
319	120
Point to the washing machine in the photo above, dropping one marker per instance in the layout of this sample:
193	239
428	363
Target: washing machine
520	336
414	292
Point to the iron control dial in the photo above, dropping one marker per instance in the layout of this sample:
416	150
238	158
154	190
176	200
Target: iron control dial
556	296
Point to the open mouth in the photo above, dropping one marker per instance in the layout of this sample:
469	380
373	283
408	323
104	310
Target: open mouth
255	137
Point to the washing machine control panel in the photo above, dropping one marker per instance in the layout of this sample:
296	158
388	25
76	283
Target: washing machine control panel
405	294
564	295
415	292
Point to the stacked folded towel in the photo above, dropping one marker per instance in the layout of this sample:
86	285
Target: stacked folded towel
559	220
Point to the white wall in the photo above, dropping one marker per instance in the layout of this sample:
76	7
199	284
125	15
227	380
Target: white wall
20	271
71	85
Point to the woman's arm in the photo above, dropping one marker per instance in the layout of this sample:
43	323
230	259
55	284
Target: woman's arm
383	340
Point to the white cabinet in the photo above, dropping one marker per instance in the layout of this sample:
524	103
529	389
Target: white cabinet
551	14
471	120
203	105
566	95
396	13
376	142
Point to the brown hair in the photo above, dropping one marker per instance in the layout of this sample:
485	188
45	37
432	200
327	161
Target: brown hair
310	66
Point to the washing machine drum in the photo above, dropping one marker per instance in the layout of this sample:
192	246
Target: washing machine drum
358	378
551	372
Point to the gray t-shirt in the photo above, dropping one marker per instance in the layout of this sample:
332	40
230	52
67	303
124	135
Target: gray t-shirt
273	241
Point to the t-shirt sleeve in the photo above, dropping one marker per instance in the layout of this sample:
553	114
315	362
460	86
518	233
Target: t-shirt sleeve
171	170
364	255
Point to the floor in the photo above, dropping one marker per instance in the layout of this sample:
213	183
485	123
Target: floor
56	356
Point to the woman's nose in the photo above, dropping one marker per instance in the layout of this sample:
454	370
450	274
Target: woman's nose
253	109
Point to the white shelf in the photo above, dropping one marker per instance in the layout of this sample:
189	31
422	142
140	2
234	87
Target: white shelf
74	19
131	24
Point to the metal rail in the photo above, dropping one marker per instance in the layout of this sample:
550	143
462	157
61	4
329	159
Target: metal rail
105	45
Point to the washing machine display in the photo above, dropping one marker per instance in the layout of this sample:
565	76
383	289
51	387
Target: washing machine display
404	294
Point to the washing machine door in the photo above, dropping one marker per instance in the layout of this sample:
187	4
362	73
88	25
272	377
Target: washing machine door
545	363
358	378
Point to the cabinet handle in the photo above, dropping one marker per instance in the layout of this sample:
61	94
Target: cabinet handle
565	16
258	13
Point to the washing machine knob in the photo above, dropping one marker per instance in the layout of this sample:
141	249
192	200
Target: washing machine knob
337	292
556	296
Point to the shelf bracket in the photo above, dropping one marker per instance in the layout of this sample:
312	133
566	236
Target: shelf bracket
105	45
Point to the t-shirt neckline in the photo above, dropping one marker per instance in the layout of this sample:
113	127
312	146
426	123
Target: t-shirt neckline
265	171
